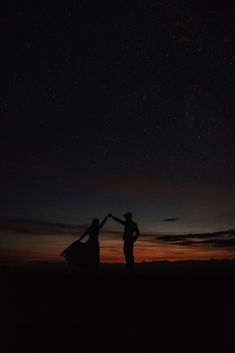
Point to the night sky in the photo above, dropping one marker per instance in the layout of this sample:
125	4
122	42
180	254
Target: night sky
115	106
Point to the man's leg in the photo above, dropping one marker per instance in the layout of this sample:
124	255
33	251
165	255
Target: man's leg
129	256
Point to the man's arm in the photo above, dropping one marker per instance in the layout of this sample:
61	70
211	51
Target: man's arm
103	222
118	220
137	233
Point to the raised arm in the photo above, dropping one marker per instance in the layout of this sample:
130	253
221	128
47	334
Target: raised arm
103	222
118	220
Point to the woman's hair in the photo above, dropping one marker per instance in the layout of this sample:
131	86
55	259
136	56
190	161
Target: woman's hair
95	222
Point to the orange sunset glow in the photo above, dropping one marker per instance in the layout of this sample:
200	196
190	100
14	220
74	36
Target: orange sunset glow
28	249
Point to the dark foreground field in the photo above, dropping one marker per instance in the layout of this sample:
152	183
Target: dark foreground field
176	307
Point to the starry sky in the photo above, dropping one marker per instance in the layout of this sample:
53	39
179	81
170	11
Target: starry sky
115	106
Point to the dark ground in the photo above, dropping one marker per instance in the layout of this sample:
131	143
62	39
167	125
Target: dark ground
168	307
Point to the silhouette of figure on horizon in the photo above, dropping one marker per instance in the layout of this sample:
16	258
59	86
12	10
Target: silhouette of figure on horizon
88	253
93	242
131	233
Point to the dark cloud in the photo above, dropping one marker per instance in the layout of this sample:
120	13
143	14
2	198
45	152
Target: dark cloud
171	219
185	243
24	226
171	237
228	233
221	238
221	242
217	242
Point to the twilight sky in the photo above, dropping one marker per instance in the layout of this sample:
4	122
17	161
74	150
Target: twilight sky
115	106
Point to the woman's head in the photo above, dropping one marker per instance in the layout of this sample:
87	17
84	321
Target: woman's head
95	222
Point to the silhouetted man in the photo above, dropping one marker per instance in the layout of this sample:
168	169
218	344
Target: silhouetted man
131	233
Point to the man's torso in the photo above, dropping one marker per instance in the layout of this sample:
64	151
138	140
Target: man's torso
129	231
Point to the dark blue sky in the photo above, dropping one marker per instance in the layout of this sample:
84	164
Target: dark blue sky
116	106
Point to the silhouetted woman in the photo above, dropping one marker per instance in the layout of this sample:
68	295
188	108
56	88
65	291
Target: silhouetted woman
86	254
92	243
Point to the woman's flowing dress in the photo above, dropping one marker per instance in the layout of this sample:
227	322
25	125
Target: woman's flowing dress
84	255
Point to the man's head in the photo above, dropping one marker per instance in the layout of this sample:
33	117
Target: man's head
127	216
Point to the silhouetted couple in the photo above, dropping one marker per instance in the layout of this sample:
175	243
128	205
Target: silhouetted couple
88	254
